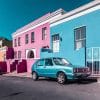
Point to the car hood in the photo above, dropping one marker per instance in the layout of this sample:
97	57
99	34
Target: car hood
76	66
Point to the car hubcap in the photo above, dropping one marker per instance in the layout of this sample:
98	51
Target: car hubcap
61	78
34	76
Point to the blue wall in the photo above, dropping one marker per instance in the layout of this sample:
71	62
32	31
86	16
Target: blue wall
66	31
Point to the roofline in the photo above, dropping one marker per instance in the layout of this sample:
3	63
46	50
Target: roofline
49	17
79	10
40	20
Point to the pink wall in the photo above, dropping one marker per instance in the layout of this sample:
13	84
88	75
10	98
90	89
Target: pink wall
9	61
37	44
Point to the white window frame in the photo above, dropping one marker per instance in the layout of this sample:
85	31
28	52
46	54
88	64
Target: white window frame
76	41
44	33
56	44
34	50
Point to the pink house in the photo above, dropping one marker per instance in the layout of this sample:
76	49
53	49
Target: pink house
28	41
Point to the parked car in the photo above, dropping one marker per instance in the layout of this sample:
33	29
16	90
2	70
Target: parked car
58	68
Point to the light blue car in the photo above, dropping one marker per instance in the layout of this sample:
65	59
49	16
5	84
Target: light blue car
58	68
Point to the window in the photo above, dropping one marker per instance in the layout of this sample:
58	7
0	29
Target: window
61	61
40	62
15	54
26	38
19	54
32	37
48	62
15	42
30	54
55	42
44	33
19	41
80	37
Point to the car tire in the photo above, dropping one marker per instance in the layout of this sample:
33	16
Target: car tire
34	76
61	78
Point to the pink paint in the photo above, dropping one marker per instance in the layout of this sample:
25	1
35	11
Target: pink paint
36	45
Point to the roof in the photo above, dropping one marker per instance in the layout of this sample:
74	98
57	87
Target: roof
40	20
87	8
56	16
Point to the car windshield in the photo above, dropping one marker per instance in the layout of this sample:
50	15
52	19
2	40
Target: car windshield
61	61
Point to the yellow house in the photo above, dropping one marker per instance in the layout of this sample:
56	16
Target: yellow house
4	43
3	53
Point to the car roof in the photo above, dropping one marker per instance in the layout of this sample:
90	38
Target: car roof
50	57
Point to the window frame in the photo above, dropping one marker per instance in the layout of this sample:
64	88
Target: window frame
15	55
32	37
19	41
56	42
26	38
19	54
49	61
81	37
15	42
44	33
39	62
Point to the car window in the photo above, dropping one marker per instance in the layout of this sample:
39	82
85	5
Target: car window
48	62
40	62
60	61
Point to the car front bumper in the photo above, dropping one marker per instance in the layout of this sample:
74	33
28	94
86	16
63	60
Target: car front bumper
81	75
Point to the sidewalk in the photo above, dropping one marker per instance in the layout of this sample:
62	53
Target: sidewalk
25	74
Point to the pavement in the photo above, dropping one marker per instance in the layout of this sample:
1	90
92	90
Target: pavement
25	74
28	75
16	88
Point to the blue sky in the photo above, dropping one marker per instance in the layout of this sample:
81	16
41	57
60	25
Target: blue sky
17	13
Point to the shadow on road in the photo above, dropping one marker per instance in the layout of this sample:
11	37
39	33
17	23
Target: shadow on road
13	94
85	81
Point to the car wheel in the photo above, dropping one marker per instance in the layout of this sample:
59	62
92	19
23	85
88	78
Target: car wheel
61	78
35	76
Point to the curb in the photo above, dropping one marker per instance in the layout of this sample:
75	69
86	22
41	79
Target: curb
18	74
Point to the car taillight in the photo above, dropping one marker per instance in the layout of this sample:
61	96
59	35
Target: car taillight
75	70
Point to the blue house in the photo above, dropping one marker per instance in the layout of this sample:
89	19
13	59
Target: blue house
76	36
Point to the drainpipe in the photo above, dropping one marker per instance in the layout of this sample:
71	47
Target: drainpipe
85	51
85	55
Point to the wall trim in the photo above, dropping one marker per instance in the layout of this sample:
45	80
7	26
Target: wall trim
67	17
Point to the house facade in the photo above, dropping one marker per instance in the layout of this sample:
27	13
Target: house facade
4	45
72	35
6	52
75	36
28	41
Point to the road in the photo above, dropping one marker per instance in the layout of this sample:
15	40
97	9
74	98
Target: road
15	88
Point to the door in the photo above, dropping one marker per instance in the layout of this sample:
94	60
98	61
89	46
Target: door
49	68
40	67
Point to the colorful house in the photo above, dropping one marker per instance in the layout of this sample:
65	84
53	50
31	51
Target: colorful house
72	35
4	45
28	40
75	36
5	53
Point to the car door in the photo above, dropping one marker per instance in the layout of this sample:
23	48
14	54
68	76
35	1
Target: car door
49	68
40	67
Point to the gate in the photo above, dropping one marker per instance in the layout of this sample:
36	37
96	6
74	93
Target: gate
93	60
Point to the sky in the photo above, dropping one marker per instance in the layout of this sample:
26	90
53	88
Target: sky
14	14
